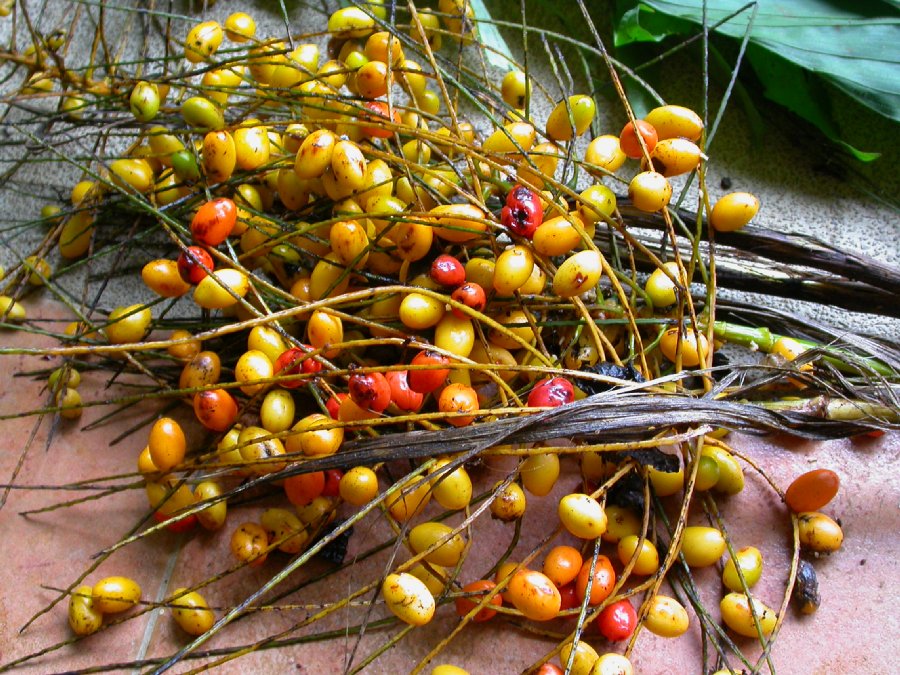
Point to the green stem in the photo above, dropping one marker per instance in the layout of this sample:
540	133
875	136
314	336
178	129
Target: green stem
834	408
764	340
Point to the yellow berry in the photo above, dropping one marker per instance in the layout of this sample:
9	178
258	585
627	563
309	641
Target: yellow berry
649	191
202	41
737	613
84	618
115	594
408	598
733	211
191	612
666	617
702	546
424	536
582	516
581	108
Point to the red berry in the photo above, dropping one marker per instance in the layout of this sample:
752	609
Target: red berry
189	264
523	211
295	361
402	396
569	597
332	483
426	381
448	271
466	605
617	621
812	490
303	488
629	143
551	392
471	295
603	580
378	113
333	405
549	669
370	391
310	365
183	525
459	398
215	409
214	221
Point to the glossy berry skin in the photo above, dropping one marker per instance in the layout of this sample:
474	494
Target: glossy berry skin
249	544
448	271
551	392
466	605
191	612
819	533
358	486
617	621
672	121
178	526
667	617
733	211
294	361
370	391
812	490
523	212
426	381
750	563
332	483
562	565
582	516
534	595
738	615
167	444
604	580
458	398
303	488
84	619
214	221
628	139
471	295
649	191
112	595
583	658
549	669
163	278
216	409
569	597
333	404
401	395
189	264
378	113
408	598
702	546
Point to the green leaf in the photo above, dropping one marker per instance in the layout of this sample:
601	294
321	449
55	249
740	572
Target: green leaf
498	54
795	47
801	93
642	101
629	29
854	46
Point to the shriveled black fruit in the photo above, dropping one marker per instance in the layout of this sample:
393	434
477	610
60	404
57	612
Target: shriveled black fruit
607	369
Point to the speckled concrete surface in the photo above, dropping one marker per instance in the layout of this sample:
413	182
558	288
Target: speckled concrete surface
797	193
847	635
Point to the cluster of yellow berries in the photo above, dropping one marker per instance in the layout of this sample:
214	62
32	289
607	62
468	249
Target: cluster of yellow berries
345	212
113	595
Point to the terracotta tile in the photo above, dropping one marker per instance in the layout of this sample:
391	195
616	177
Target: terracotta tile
53	548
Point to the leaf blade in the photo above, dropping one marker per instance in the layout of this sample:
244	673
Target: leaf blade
857	50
